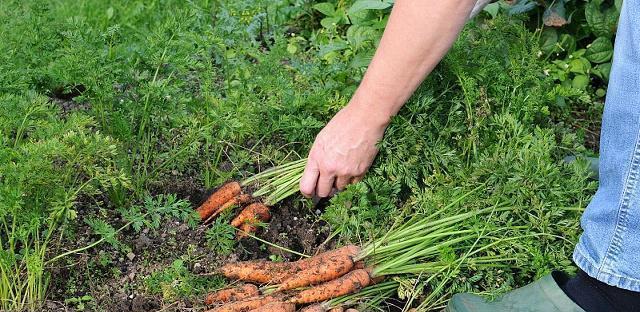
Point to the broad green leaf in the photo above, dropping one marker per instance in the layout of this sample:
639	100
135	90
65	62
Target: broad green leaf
580	66
600	50
330	22
492	9
580	82
362	5
548	40
567	43
602	71
325	8
332	47
596	19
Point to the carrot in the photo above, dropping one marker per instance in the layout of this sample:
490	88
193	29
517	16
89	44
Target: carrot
245	230
252	213
327	271
246	305
318	307
277	307
258	271
218	198
237	200
338	309
232	294
351	250
346	284
276	272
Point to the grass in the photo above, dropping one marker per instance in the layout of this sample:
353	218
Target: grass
108	108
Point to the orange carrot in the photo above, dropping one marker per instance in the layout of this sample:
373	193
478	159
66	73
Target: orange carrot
232	294
258	271
318	307
337	309
276	272
344	285
331	269
252	213
247	304
218	198
237	200
277	307
245	230
315	261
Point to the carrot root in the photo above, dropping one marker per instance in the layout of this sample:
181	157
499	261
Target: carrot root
258	271
247	304
237	200
252	213
318	307
245	230
327	271
232	294
218	198
276	307
346	284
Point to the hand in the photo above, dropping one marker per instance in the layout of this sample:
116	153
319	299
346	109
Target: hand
343	151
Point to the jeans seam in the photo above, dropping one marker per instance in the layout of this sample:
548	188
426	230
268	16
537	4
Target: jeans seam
631	182
587	265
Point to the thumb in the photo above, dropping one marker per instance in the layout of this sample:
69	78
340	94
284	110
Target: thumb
309	178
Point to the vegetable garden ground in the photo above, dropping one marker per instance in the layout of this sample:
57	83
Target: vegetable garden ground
119	118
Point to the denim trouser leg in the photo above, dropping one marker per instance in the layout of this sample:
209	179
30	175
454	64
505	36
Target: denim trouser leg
609	248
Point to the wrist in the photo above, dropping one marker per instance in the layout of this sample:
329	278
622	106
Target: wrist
372	107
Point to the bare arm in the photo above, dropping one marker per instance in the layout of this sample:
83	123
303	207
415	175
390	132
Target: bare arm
417	36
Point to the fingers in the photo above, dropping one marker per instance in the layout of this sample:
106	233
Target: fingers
342	182
325	185
309	179
357	179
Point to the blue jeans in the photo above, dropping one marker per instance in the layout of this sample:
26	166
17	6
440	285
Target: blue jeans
609	248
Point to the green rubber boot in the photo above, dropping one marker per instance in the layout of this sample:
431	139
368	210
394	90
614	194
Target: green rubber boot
543	295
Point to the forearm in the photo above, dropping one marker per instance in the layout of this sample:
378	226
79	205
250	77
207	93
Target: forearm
417	36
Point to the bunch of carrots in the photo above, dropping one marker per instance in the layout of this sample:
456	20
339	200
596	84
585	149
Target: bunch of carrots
413	247
274	185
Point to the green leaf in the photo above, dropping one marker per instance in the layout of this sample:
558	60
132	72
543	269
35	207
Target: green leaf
330	22
602	71
548	40
332	47
492	9
362	5
596	19
580	82
568	43
326	8
600	50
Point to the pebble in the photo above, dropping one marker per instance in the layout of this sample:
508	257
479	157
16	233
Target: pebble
131	255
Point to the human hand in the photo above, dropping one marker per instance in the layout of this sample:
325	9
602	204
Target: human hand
343	151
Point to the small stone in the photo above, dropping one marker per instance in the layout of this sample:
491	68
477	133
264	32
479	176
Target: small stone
318	211
132	276
131	255
295	218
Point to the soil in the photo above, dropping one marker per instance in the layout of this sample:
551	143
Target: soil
119	285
